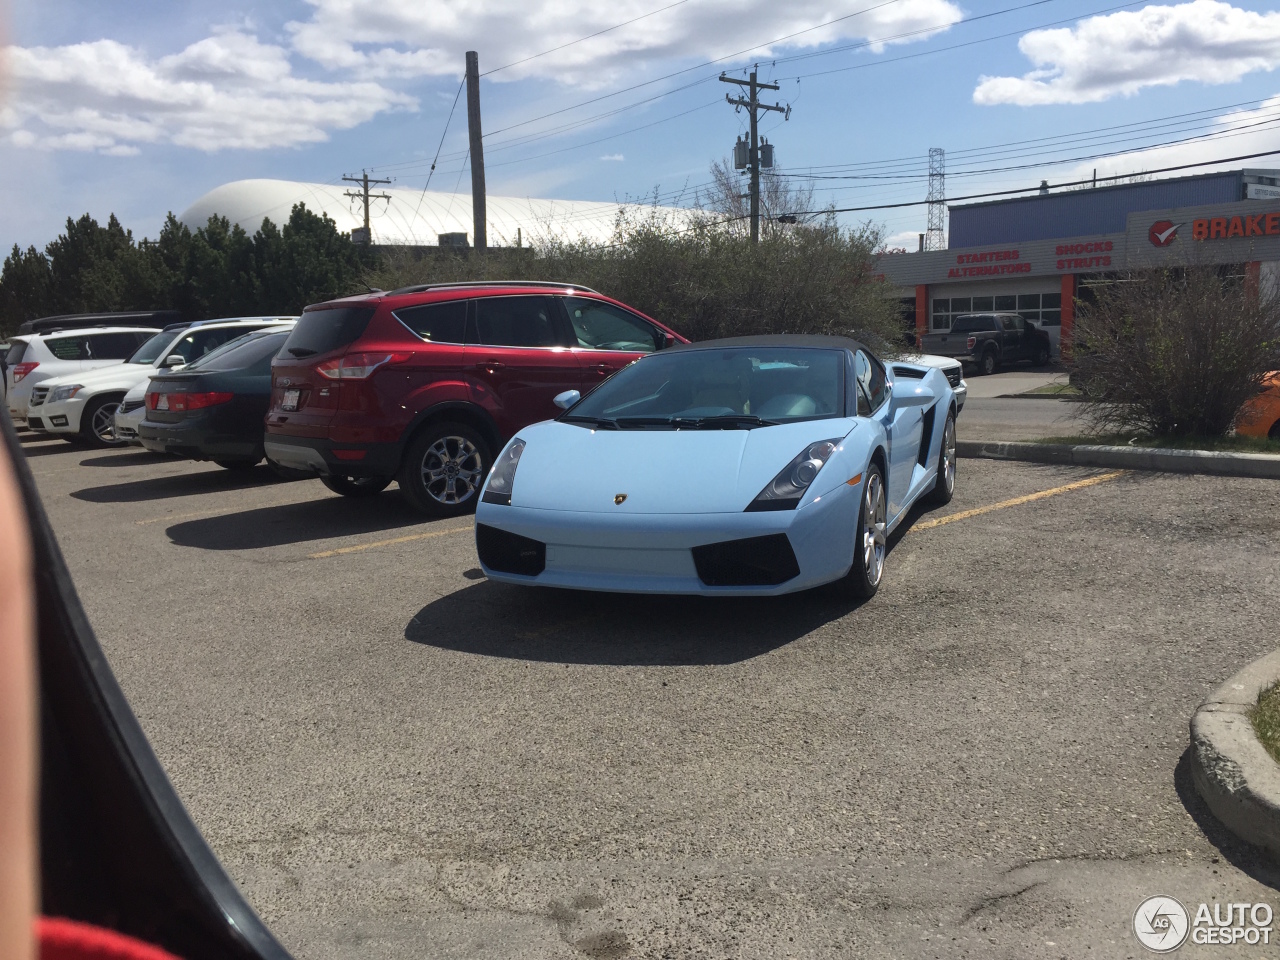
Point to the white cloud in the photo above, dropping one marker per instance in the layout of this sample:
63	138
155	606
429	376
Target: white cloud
227	91
1117	55
616	157
388	38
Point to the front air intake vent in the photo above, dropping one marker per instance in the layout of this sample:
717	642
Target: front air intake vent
911	373
509	552
753	562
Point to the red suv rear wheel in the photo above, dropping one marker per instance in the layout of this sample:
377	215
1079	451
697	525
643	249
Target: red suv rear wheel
444	469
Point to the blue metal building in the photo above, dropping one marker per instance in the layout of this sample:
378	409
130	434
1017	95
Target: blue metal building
1079	213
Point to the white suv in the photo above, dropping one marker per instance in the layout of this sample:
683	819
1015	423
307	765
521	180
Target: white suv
82	407
36	357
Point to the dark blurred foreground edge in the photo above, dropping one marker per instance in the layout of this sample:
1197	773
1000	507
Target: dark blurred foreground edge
117	847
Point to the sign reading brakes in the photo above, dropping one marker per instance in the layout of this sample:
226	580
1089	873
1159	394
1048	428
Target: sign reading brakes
1249	225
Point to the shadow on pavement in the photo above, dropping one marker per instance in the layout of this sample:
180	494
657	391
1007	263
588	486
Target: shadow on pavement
131	458
325	519
178	485
1245	857
568	626
56	446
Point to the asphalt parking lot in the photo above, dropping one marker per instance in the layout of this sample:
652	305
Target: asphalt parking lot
397	758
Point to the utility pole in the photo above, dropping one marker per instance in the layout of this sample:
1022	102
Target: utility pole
754	106
477	150
364	195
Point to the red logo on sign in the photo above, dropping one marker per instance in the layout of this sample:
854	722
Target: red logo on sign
1163	233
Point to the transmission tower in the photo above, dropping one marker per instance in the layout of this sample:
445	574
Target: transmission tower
934	239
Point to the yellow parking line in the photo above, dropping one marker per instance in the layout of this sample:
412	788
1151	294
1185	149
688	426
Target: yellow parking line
978	511
388	543
186	516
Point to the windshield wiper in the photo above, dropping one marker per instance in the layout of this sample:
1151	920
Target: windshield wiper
728	421
302	351
604	422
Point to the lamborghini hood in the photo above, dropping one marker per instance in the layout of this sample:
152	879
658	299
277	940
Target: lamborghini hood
573	468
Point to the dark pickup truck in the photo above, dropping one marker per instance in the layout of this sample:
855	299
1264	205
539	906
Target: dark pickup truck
988	340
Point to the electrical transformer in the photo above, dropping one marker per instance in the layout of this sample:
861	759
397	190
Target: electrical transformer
740	151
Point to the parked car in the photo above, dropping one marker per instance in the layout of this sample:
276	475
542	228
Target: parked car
151	319
758	465
83	406
951	369
988	340
133	408
425	384
1260	417
34	358
213	409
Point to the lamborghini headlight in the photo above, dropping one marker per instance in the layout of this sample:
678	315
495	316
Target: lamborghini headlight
785	490
64	393
503	474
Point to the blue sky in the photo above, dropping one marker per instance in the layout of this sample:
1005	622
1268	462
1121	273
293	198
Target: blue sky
140	108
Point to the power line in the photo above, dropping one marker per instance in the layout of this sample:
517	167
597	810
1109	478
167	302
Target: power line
590	36
1071	183
438	146
513	142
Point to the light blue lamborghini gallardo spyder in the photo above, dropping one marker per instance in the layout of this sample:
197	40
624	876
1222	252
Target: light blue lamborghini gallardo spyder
757	465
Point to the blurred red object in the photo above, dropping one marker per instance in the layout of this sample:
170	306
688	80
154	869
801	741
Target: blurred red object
68	940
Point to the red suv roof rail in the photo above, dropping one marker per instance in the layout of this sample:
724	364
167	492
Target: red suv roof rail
420	288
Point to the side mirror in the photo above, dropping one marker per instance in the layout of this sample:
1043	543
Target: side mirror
174	360
567	399
667	340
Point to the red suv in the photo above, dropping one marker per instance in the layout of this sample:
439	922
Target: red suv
425	385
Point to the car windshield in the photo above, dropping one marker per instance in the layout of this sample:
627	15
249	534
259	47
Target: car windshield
150	351
730	387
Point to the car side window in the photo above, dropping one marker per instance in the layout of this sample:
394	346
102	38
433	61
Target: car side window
602	326
436	322
1009	324
871	382
68	348
517	322
112	346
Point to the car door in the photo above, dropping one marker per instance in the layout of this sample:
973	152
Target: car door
518	358
903	424
606	338
1011	338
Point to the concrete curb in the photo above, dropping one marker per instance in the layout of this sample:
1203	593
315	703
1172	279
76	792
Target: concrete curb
1039	396
1258	465
1232	771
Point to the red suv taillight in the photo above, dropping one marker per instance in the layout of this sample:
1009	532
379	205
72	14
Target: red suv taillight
20	370
971	342
181	402
358	366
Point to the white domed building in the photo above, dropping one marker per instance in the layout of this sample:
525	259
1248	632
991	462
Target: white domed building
411	217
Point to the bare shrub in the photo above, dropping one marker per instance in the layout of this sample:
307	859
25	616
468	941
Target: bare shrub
1175	352
699	277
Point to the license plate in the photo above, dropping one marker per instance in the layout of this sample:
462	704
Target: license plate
291	399
162	402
